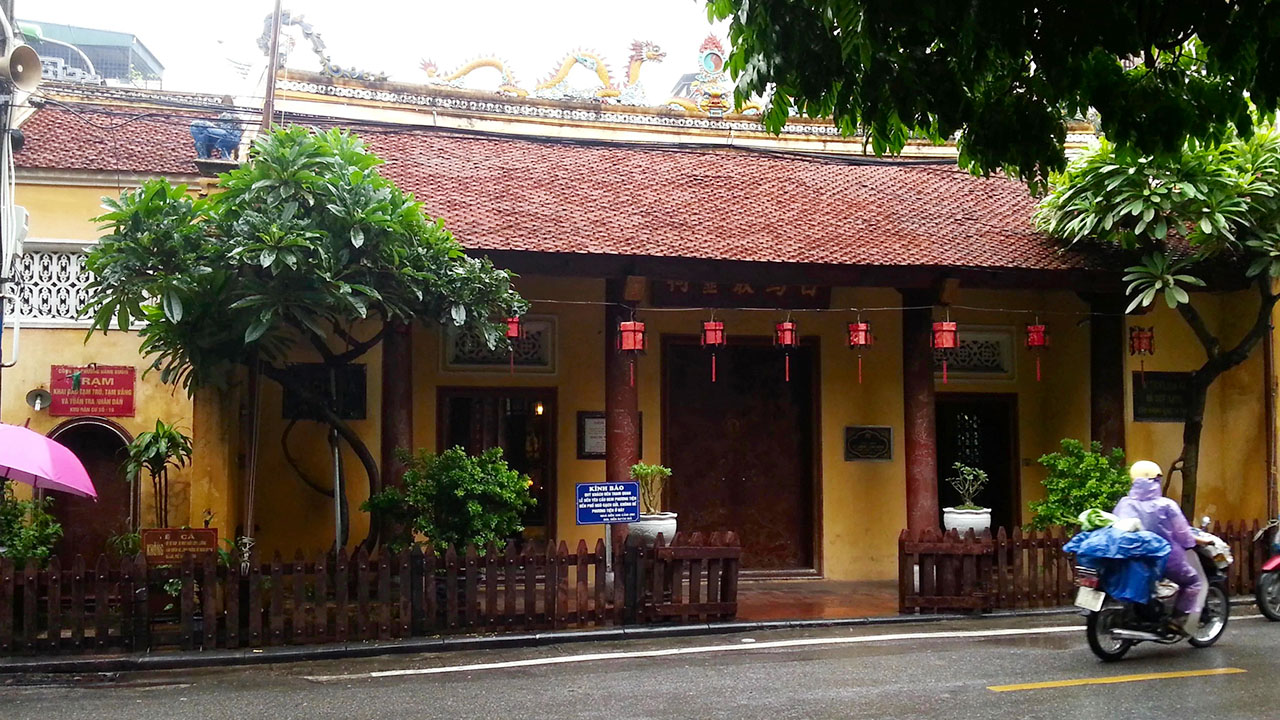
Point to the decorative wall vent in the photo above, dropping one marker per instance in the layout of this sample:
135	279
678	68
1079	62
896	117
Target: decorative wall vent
52	287
535	349
984	353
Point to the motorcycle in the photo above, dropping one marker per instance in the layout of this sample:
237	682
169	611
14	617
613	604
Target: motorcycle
1114	626
1267	588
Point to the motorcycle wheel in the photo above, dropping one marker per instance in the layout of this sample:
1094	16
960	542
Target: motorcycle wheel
1107	647
1268	594
1213	619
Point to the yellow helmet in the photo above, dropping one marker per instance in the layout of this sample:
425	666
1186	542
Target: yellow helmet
1145	470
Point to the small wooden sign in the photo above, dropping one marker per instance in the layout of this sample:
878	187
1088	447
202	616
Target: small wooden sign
102	390
868	442
165	546
1161	396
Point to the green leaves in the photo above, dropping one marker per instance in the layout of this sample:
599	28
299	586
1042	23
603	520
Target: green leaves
1079	480
28	530
1158	275
303	238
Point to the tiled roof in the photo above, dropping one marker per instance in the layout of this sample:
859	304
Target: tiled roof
536	195
159	144
530	195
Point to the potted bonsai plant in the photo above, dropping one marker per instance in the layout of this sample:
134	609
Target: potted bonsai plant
652	479
968	515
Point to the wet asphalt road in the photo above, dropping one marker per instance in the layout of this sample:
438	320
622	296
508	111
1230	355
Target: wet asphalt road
933	677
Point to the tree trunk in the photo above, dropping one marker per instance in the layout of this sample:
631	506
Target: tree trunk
1192	426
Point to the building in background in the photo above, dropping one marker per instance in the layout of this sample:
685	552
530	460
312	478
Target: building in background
79	54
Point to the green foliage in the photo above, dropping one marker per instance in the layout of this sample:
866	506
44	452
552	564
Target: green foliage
1219	202
1005	76
652	479
125	544
1079	480
28	530
156	451
455	499
303	241
968	481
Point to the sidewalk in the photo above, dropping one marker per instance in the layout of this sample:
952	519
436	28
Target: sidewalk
760	600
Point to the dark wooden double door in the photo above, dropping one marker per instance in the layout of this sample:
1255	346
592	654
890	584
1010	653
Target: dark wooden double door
742	449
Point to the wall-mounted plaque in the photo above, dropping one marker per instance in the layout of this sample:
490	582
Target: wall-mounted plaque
102	390
868	442
591	436
1160	396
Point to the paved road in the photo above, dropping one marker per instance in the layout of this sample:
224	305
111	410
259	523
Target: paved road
904	671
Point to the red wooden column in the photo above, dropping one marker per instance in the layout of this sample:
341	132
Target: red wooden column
621	399
920	420
1106	370
397	402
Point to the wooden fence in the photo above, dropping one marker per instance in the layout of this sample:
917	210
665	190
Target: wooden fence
947	572
203	604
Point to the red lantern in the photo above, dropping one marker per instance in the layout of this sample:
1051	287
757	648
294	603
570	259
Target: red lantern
859	337
514	331
713	338
1037	339
786	336
945	337
631	339
1142	342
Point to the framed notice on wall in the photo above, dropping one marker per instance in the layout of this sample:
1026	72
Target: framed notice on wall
591	436
1160	396
868	442
101	390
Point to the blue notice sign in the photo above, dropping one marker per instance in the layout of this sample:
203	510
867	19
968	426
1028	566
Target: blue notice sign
604	503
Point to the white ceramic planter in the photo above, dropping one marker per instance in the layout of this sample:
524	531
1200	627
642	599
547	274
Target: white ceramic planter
648	526
962	520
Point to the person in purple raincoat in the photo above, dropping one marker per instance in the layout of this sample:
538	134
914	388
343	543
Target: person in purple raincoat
1163	516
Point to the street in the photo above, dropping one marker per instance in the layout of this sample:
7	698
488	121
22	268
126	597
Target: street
1036	667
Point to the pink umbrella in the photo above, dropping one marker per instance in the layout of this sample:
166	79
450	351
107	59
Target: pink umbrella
29	457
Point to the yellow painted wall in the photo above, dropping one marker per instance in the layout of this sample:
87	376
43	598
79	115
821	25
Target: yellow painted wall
63	212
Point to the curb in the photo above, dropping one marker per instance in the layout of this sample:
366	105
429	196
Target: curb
184	660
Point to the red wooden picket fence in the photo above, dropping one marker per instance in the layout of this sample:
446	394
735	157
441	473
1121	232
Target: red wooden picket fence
947	572
124	605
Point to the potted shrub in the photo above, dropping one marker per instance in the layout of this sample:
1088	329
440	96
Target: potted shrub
652	479
968	515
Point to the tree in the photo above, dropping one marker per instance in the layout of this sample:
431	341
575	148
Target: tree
305	244
156	451
1005	76
1214	209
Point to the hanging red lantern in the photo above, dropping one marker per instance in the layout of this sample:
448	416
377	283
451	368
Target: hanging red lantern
1142	342
713	338
786	336
1037	339
859	337
945	337
631	339
514	331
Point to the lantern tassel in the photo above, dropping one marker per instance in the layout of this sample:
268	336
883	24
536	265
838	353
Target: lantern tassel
944	371
859	368
1037	368
788	371
633	373
713	367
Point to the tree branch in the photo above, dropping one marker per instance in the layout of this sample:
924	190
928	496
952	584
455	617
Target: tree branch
1212	347
316	341
1261	324
358	348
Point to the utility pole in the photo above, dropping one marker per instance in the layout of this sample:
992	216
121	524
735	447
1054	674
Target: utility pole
6	111
269	103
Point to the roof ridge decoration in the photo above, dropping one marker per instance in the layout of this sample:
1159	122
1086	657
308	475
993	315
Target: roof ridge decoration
454	79
327	66
711	91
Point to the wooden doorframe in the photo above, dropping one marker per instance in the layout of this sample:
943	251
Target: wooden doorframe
547	395
815	402
126	437
1010	401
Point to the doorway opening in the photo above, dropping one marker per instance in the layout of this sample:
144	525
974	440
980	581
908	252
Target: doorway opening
981	430
744	449
521	421
88	525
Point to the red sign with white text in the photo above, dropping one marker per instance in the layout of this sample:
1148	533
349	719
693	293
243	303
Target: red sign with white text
102	390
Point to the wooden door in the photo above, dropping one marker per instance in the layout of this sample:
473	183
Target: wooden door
87	525
981	431
742	449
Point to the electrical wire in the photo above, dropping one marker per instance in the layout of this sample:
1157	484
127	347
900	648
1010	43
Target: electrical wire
854	309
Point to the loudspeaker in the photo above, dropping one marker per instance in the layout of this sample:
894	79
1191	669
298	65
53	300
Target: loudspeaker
21	66
39	399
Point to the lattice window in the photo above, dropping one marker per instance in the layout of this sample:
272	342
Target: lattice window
52	287
982	353
534	350
969	439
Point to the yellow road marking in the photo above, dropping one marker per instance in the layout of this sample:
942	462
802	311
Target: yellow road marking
1115	679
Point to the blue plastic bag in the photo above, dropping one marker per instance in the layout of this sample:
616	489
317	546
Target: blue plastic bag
1128	563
